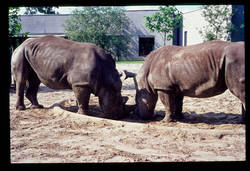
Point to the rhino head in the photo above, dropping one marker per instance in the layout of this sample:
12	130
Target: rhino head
110	99
145	101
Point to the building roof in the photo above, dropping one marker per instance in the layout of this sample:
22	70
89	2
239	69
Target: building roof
39	25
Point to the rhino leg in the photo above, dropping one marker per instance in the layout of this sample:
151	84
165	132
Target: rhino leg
236	85
243	113
173	105
32	90
20	82
237	88
21	75
82	94
179	104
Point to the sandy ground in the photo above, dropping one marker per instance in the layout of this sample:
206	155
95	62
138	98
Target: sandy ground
209	132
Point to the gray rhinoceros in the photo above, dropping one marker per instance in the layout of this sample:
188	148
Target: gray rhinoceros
202	70
64	64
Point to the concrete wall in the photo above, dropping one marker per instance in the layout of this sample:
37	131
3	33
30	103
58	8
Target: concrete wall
138	29
40	25
192	24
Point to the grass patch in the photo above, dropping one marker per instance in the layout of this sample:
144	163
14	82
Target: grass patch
129	62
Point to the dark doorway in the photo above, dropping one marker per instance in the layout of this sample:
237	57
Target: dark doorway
185	38
146	45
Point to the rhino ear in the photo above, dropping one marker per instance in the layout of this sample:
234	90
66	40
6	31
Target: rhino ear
124	99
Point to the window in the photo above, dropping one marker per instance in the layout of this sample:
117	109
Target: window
146	45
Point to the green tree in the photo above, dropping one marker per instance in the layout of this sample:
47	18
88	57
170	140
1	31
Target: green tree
104	26
43	10
219	25
15	27
165	22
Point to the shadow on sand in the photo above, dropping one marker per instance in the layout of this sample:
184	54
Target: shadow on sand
42	89
209	118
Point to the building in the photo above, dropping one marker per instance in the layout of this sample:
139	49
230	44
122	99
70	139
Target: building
142	40
193	22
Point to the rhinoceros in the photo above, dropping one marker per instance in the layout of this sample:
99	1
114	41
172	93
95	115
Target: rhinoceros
202	70
64	64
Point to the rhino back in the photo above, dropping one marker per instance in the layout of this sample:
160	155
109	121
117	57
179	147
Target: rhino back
196	71
61	63
152	70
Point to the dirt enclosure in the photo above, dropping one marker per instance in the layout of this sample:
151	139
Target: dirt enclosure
210	131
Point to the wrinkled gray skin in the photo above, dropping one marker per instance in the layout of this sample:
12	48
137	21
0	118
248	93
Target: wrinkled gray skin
63	64
235	72
202	70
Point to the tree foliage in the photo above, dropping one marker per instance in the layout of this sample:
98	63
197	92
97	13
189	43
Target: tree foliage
15	27
219	25
104	26
165	22
43	10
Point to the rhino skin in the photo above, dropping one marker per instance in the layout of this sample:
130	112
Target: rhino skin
64	64
202	70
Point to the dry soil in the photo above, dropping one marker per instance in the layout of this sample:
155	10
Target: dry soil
211	131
